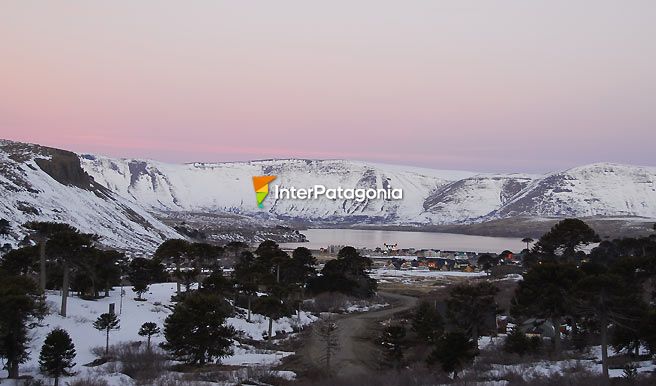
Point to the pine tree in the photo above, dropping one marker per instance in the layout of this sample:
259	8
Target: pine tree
106	322
196	332
148	330
57	354
427	323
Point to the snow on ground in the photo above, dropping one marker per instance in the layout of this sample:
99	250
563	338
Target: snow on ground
258	327
387	275
364	307
132	314
590	362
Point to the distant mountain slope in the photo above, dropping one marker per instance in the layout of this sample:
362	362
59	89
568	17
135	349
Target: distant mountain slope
430	196
44	184
602	189
123	200
228	187
473	198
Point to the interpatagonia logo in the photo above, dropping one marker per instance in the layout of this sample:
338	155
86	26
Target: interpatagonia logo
261	185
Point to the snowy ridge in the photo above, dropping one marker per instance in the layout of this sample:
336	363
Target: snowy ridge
602	189
430	196
119	198
28	193
228	186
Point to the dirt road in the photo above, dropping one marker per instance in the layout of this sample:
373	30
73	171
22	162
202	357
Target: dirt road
356	353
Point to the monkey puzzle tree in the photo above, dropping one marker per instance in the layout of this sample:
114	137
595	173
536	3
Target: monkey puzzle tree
57	354
175	251
471	307
149	329
41	232
246	277
603	297
23	306
70	247
561	242
546	292
196	332
427	322
142	272
107	322
20	261
453	351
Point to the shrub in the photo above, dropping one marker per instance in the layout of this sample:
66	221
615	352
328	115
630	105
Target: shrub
518	343
88	381
139	363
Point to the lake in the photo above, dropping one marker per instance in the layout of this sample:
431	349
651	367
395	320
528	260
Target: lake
319	238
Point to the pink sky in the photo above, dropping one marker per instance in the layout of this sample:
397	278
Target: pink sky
481	85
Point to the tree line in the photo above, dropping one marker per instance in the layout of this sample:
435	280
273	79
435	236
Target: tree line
266	280
605	297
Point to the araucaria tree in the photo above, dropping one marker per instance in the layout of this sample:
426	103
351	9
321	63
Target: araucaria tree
176	252
69	247
141	273
546	292
346	274
472	308
271	307
391	342
107	322
196	332
22	306
41	232
57	354
561	242
603	297
453	351
149	329
427	323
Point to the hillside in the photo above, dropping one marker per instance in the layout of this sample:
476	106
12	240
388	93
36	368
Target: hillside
135	204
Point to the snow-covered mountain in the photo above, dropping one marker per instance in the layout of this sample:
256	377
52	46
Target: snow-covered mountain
44	184
229	187
602	189
124	199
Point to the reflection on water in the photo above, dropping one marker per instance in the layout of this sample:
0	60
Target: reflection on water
420	240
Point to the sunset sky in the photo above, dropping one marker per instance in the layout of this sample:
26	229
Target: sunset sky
489	85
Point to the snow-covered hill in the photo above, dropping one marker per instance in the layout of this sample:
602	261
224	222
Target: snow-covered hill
229	187
430	196
123	199
602	189
44	184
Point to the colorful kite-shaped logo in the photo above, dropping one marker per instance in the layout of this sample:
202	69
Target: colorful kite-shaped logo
261	185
